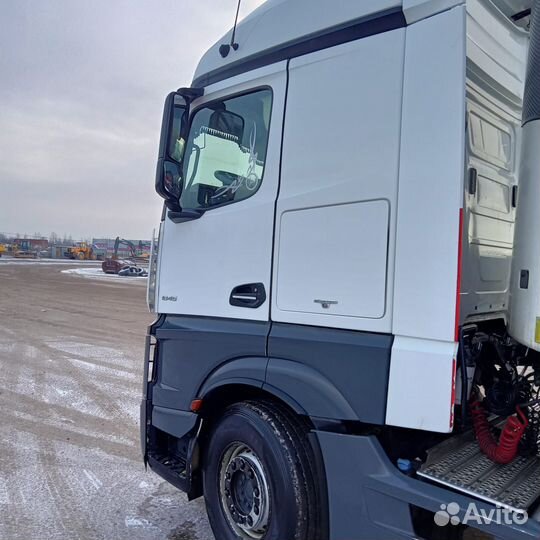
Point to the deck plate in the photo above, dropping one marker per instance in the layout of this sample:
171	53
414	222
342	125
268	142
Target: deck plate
459	464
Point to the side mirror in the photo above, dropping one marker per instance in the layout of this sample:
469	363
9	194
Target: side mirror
227	123
169	165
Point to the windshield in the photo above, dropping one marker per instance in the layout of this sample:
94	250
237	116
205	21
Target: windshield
226	151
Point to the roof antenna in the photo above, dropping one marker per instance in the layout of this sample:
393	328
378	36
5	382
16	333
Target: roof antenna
225	49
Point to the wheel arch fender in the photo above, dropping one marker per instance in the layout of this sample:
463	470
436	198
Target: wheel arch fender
301	387
314	394
247	371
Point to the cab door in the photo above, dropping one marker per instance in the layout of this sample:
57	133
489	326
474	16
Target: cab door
219	265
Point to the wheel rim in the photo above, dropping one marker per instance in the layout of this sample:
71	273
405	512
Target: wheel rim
244	493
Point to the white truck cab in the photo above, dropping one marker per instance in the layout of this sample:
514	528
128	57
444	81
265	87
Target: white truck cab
346	274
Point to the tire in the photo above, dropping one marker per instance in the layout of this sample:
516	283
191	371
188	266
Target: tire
259	476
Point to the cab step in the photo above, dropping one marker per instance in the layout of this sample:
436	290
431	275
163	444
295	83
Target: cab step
172	468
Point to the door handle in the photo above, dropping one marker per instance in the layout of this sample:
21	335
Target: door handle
473	181
250	295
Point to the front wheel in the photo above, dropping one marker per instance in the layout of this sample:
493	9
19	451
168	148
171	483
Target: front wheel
260	477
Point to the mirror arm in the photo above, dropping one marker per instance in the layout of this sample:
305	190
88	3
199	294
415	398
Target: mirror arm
189	94
184	215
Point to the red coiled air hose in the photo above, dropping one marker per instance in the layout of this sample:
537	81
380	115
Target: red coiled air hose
506	450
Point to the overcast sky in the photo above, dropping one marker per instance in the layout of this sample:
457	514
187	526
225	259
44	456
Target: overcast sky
82	85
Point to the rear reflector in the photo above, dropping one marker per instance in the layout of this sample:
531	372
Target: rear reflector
196	404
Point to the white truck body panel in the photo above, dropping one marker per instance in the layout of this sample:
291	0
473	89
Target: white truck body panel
429	204
431	181
495	55
232	244
421	385
496	51
496	60
490	214
322	185
277	22
525	301
332	264
416	10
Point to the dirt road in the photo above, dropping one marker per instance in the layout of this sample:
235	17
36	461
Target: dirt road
71	352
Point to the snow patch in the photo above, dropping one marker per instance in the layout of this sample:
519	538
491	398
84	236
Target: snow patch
24	262
87	350
97	273
93	479
4	493
134	521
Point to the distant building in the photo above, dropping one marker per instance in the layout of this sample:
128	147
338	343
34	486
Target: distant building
31	244
58	251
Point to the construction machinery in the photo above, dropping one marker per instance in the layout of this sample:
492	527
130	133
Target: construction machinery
81	251
112	265
23	250
142	253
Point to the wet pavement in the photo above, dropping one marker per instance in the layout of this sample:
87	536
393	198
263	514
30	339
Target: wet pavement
71	352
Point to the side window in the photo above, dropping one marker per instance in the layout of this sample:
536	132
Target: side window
226	150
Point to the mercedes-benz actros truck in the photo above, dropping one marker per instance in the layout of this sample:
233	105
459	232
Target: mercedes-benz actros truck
347	274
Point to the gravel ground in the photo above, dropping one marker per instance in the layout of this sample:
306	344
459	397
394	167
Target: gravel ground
71	351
